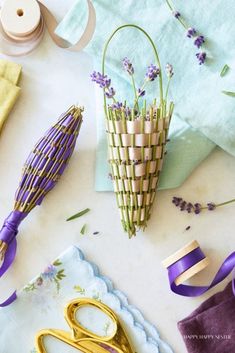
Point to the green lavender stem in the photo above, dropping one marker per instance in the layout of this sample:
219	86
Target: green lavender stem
221	204
179	19
142	88
167	89
135	92
155	53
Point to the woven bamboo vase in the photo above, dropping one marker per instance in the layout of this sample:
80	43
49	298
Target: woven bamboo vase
136	148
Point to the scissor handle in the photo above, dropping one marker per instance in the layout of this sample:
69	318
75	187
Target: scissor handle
78	330
66	338
81	338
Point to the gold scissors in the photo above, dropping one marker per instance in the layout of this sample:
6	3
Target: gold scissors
83	339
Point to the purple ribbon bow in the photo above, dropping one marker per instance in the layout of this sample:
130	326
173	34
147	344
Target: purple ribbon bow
8	235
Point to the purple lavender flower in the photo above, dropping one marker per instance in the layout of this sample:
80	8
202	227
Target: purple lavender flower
127	111
182	205
169	70
201	57
116	106
127	65
152	72
176	14
110	92
189	207
197	208
199	41
176	200
140	92
102	80
191	32
211	206
50	272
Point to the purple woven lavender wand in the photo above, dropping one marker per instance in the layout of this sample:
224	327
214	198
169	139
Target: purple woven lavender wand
41	171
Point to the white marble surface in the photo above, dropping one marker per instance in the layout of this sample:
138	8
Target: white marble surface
52	80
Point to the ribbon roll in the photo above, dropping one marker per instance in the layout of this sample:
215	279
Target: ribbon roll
189	261
22	26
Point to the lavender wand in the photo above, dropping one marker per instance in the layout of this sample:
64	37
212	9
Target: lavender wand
41	171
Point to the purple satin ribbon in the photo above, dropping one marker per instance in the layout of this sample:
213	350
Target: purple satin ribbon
8	235
190	260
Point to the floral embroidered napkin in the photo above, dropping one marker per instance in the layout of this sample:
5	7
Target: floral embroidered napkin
41	302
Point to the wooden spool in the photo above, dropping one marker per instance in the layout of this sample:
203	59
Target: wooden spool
20	18
179	255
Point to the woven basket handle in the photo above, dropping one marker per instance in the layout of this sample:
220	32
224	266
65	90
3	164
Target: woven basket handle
154	50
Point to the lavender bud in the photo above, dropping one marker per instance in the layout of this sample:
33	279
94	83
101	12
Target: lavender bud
199	41
110	93
140	92
211	206
189	207
102	80
182	205
152	72
176	200
197	208
176	14
127	111
116	106
191	32
201	57
127	65
169	70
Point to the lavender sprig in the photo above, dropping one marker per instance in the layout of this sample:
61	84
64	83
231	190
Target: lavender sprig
152	72
104	82
191	32
196	207
169	73
127	65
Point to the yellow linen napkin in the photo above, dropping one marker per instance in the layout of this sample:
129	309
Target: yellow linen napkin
9	91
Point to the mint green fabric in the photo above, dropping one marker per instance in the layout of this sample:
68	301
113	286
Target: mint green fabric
203	117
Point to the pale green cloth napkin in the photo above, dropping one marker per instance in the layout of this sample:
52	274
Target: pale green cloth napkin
9	91
203	115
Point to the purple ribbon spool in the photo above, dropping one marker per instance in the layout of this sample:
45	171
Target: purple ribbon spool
192	255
